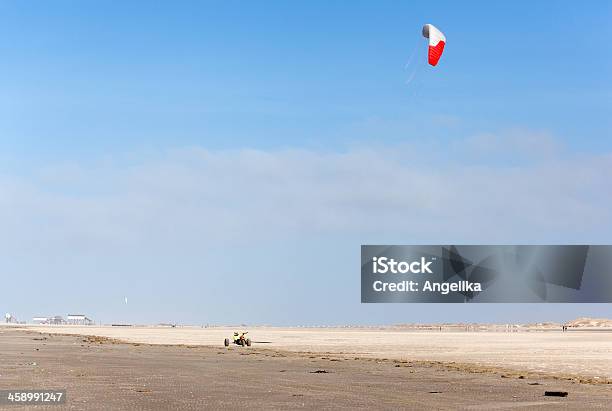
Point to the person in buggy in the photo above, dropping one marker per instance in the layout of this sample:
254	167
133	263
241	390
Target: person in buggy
239	339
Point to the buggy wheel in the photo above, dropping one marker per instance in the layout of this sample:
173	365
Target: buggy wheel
226	342
248	342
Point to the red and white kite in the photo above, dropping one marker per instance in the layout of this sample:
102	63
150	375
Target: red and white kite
436	43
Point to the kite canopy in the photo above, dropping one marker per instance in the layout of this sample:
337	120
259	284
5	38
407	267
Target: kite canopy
437	40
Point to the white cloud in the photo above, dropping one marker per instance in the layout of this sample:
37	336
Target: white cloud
154	226
246	195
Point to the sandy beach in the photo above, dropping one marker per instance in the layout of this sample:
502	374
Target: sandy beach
101	373
586	354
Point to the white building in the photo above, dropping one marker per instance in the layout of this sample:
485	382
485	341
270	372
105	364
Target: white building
56	320
79	319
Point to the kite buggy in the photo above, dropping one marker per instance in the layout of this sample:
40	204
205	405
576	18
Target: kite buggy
239	339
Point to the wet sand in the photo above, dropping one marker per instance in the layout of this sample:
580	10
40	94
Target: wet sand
99	373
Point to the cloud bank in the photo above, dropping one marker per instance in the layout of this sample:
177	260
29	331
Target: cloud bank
129	222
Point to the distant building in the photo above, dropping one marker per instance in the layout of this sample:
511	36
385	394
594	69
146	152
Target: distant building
56	320
79	319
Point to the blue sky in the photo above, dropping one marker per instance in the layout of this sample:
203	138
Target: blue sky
142	142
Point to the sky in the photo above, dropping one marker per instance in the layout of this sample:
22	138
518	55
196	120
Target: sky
222	162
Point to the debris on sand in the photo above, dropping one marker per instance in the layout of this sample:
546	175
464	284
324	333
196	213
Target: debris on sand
534	383
95	339
555	393
435	392
319	372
